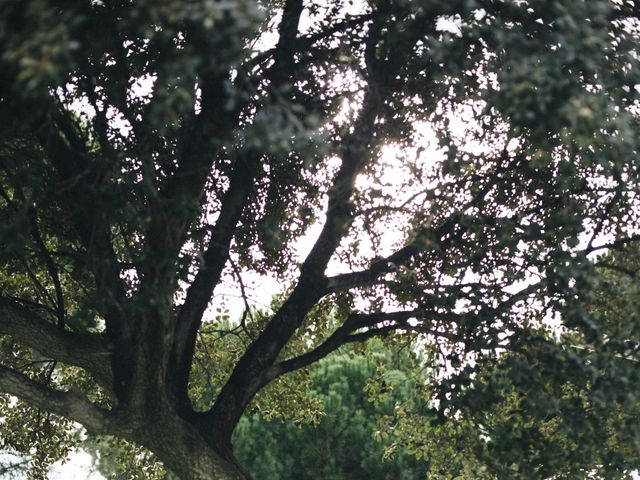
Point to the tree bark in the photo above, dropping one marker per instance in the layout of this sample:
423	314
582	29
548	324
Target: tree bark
181	447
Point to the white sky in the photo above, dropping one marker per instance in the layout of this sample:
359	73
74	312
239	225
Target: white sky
77	467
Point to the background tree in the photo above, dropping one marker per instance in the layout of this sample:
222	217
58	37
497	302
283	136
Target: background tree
345	441
153	149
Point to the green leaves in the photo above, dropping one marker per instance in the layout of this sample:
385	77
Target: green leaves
346	439
558	405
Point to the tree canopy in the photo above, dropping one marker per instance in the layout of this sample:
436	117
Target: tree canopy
437	173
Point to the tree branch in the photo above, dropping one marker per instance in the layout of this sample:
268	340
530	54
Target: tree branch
215	257
66	149
251	371
213	261
344	334
51	268
437	236
67	404
176	205
90	352
615	245
346	281
383	323
304	43
249	375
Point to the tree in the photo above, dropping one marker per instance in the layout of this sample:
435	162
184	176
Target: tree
151	150
337	435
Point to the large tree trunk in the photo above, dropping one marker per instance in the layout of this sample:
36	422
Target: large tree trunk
204	467
182	449
198	464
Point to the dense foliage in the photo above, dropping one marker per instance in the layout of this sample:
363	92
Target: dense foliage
559	406
442	173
